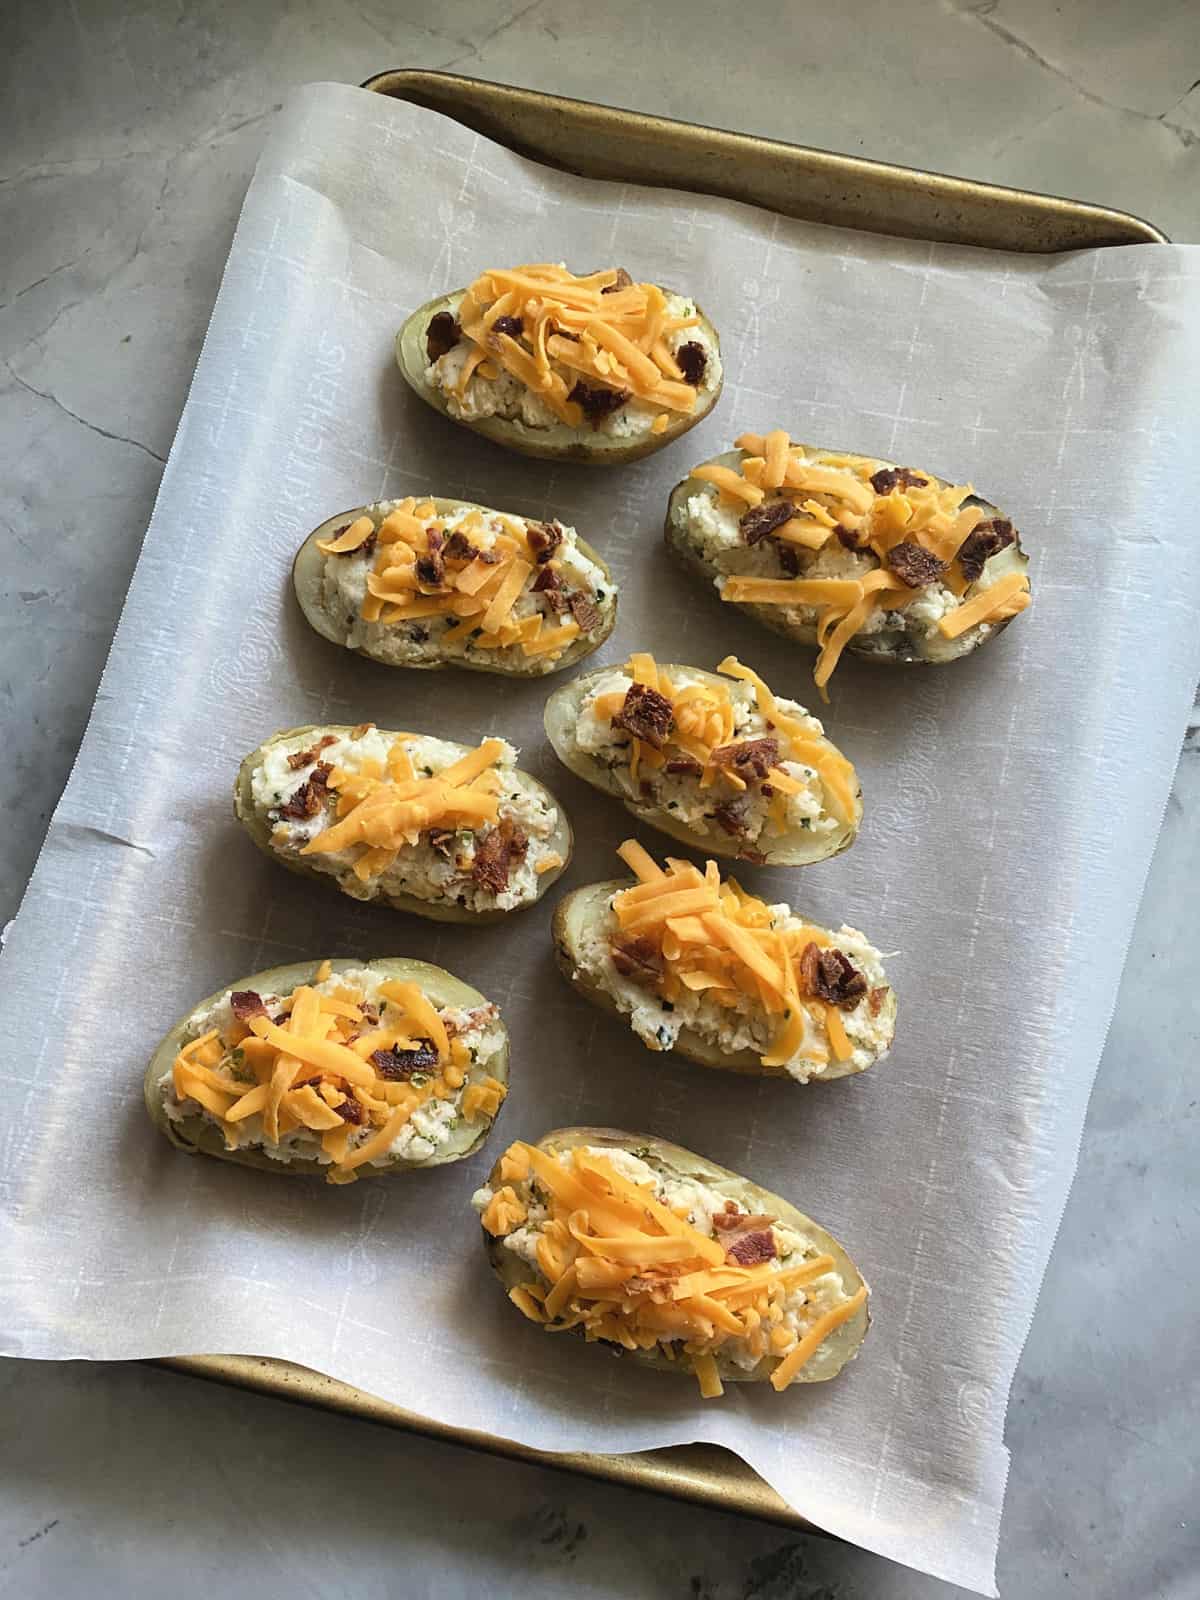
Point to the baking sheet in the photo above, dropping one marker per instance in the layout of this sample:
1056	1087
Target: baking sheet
1012	799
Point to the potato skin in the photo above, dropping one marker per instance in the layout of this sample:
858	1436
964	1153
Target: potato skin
441	986
307	574
561	715
256	826
674	1160
559	443
590	903
889	649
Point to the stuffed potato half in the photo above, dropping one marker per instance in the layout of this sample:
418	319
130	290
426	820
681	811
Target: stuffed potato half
715	760
446	583
696	965
447	831
655	1252
340	1068
846	552
595	369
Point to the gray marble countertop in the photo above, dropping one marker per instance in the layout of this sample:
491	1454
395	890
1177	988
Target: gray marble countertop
129	134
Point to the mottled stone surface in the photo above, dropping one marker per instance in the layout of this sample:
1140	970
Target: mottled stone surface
129	133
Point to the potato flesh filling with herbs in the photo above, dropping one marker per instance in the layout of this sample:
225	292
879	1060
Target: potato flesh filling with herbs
406	813
685	950
727	760
353	1070
851	547
646	1261
539	346
409	584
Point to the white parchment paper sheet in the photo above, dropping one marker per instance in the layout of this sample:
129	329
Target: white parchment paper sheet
1012	805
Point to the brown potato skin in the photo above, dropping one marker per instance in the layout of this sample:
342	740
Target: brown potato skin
435	981
559	443
255	824
674	1159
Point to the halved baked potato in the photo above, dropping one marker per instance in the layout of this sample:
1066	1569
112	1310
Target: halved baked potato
628	1240
847	552
345	805
698	966
447	583
595	369
713	759
337	1068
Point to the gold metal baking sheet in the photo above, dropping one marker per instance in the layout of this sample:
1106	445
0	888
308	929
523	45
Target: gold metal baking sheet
817	185
598	141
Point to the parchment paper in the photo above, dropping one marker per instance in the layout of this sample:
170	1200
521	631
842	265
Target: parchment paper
1012	805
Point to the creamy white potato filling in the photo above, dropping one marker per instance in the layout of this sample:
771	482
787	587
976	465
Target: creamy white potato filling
425	870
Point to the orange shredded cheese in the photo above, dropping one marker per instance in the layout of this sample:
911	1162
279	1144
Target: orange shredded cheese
618	1265
880	507
327	1053
573	332
477	583
707	934
703	721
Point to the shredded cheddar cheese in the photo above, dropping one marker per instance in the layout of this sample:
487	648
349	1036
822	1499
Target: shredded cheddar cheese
875	509
381	814
703	721
561	336
706	934
474	581
350	1072
619	1265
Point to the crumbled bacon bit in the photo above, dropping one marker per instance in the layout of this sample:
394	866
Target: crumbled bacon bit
584	610
759	521
309	797
512	326
889	478
789	557
875	1000
982	543
751	760
831	976
442	334
459	548
350	1111
544	539
750	1249
731	815
683	765
645	714
621	281
496	853
431	566
914	565
396	1065
692	360
245	1003
638	958
302	758
848	537
550	584
597	402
